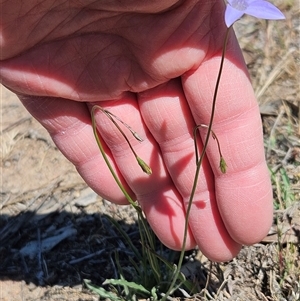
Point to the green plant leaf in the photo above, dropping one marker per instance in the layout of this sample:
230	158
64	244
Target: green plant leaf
137	287
101	291
154	294
171	269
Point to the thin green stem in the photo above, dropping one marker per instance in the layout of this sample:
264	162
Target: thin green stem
133	132
110	116
128	197
212	134
198	164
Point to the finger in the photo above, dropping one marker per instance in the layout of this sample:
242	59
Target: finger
167	115
69	124
244	193
156	193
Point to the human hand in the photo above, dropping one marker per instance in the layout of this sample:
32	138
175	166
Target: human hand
153	64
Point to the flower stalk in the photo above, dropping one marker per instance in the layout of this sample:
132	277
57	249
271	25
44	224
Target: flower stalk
198	164
111	117
222	164
235	9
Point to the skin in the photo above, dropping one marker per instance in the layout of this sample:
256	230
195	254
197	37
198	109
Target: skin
153	64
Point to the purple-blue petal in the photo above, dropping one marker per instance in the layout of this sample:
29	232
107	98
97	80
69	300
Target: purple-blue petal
232	15
264	10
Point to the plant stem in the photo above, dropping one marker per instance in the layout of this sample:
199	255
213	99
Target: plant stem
212	134
131	201
198	164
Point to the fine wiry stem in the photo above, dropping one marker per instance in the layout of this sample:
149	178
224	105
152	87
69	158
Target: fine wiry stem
134	133
141	163
198	164
222	163
212	134
109	115
128	197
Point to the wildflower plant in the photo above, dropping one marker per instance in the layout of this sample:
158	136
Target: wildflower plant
262	9
235	9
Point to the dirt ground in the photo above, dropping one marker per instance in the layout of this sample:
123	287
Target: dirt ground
54	230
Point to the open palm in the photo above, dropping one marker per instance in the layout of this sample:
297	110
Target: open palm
153	64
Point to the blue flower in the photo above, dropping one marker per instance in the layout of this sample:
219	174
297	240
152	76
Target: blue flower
235	9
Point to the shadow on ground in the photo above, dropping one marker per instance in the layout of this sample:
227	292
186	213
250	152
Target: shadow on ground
61	248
